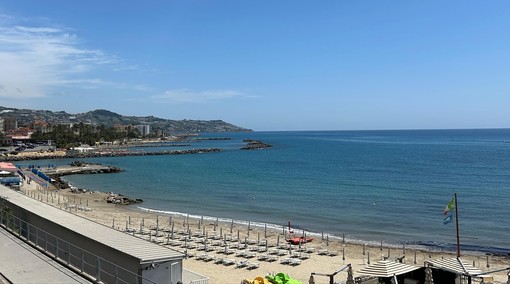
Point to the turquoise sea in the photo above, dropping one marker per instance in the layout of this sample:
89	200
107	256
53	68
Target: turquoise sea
369	185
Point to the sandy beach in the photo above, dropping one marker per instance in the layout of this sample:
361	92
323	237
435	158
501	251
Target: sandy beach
319	256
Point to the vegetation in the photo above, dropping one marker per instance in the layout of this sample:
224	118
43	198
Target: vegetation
81	133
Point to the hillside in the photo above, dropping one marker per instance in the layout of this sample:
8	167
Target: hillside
108	118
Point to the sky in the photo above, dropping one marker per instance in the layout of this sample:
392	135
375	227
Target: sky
264	65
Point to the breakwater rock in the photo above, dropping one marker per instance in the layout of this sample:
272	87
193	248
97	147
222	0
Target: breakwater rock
254	145
109	153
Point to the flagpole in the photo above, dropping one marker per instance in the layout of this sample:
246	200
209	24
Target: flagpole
457	223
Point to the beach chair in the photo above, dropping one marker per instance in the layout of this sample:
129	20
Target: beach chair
273	251
228	262
218	260
271	258
304	256
262	257
295	262
285	260
333	253
323	252
310	250
252	265
242	263
282	252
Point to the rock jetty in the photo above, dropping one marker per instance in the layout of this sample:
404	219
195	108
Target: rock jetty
109	153
254	145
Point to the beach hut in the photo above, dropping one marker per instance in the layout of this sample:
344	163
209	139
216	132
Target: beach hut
451	270
388	271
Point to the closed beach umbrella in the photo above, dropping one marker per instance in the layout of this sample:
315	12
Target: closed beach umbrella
221	231
278	241
311	280
428	276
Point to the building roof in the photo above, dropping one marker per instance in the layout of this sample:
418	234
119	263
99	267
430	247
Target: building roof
457	266
145	251
386	268
10	167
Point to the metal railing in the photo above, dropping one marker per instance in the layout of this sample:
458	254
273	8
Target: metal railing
83	262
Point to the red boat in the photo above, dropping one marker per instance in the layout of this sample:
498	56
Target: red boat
299	240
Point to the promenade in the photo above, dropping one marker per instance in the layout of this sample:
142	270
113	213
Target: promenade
21	263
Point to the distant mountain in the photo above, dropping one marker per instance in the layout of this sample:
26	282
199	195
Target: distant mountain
108	118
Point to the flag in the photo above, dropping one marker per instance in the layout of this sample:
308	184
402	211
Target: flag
448	219
450	206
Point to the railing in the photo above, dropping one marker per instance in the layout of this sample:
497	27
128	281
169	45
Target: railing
190	277
87	264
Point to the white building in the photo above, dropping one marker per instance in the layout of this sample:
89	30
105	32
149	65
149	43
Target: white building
143	129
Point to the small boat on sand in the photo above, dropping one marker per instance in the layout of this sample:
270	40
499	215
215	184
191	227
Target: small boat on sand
299	240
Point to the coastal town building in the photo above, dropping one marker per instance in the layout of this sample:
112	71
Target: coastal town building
143	129
9	123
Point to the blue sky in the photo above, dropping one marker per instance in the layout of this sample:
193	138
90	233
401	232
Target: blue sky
265	65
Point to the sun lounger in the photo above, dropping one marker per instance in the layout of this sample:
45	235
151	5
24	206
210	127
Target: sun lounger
323	252
218	260
252	265
282	252
228	262
285	260
310	250
333	253
263	257
250	255
273	251
304	256
295	262
242	263
253	248
271	258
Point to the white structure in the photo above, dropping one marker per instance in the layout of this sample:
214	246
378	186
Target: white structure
143	129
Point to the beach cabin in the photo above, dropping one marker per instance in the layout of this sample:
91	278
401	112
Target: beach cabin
93	250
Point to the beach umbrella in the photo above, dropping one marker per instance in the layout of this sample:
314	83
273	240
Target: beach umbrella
278	241
363	248
169	220
311	280
167	238
231	226
186	243
249	225
216	224
266	244
404	248
221	231
173	230
203	230
350	276
428	276
258	238
327	240
265	230
508	281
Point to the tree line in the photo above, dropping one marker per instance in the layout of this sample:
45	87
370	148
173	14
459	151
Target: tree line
66	137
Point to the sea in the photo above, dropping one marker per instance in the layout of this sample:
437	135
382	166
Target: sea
364	186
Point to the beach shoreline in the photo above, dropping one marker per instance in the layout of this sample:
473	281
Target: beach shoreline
135	220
